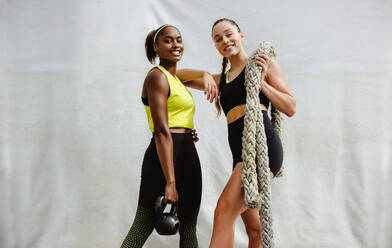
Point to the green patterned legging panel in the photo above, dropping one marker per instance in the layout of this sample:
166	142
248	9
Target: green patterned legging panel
143	225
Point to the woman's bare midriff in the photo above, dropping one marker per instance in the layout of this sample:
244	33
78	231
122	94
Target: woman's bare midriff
239	111
180	130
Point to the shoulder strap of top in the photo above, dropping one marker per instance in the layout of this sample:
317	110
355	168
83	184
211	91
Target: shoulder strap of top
167	73
223	80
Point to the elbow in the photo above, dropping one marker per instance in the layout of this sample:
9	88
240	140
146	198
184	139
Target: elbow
160	132
291	111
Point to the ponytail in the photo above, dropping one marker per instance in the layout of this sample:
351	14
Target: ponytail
149	46
224	65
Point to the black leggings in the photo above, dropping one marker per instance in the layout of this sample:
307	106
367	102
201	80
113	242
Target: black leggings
275	149
188	183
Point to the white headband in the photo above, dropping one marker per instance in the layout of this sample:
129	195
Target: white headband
159	29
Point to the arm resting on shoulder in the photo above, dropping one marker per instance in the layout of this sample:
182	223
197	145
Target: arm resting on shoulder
200	80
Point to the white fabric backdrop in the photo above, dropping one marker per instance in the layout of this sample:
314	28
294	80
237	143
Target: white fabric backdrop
73	130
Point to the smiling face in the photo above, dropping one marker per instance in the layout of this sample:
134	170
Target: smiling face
227	38
169	44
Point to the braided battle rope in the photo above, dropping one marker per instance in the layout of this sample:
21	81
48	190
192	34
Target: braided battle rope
255	168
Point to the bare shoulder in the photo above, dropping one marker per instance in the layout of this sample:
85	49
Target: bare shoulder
274	69
274	64
156	79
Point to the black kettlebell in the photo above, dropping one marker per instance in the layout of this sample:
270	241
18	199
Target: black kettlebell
167	223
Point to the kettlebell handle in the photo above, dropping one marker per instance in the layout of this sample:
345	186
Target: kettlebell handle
160	206
173	208
166	223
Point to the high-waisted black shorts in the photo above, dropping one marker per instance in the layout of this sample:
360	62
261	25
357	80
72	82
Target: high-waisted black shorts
275	149
187	173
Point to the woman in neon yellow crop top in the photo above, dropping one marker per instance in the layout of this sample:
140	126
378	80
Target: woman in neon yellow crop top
171	164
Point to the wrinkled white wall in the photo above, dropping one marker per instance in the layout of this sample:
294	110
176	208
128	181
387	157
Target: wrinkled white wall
73	130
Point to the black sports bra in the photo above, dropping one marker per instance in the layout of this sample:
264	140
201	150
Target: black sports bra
233	93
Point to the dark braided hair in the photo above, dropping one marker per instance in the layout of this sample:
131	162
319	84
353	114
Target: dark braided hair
225	60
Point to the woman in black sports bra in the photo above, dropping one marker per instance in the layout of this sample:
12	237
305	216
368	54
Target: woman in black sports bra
228	37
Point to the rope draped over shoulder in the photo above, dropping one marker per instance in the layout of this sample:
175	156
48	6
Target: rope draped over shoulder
255	167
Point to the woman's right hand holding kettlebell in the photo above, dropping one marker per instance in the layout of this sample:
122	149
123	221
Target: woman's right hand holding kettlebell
171	195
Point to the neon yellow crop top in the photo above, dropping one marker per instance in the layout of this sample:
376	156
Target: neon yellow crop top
180	104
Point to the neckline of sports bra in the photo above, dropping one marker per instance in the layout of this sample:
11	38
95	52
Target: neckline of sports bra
227	76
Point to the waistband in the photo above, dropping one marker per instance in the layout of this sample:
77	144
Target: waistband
178	134
241	119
